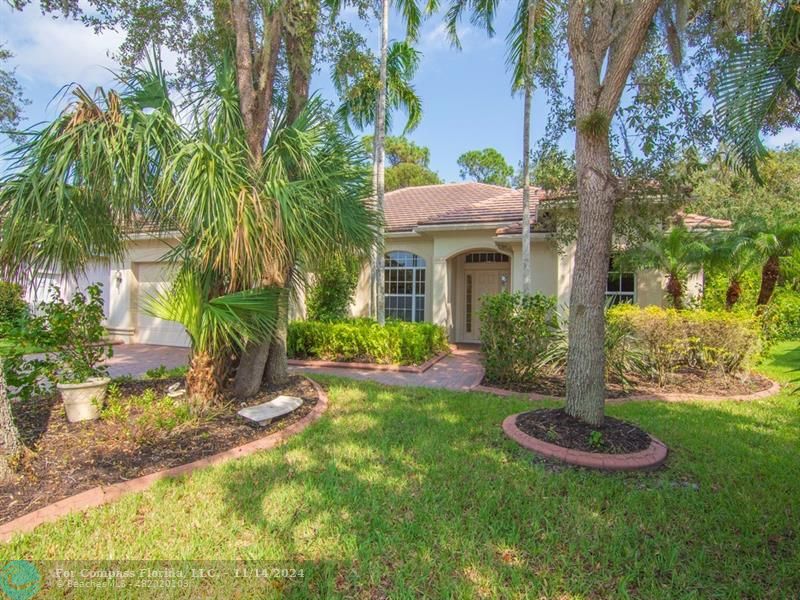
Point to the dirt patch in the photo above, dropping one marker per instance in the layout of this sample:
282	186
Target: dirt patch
688	382
554	426
67	458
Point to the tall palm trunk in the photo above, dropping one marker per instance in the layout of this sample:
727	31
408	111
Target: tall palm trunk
733	293
203	385
675	290
10	442
526	156
380	154
769	279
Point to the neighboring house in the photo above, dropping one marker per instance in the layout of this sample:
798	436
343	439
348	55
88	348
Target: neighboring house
446	246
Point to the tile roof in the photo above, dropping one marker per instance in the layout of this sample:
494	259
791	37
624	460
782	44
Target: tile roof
695	221
408	207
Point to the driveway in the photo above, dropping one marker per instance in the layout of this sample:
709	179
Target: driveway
137	359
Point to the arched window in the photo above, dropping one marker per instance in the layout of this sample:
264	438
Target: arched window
404	286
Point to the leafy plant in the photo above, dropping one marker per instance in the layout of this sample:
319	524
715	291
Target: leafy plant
13	307
596	439
75	333
517	331
330	295
162	372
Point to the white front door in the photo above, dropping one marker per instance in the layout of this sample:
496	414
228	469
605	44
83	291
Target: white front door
479	283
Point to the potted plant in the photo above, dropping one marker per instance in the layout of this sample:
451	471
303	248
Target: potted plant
76	337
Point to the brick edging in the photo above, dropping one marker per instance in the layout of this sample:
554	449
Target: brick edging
362	366
105	494
653	456
773	389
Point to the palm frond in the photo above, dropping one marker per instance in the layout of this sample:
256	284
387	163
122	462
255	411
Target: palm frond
522	61
214	324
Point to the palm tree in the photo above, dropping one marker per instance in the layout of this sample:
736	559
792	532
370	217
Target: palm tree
115	159
773	242
677	253
357	80
530	53
733	253
757	79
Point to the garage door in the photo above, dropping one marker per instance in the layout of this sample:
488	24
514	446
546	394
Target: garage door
155	278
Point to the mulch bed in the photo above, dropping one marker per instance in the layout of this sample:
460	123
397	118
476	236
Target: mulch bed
554	426
679	383
68	458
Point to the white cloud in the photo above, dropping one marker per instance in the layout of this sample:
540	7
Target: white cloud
58	51
438	38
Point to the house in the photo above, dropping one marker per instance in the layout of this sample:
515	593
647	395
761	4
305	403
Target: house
446	246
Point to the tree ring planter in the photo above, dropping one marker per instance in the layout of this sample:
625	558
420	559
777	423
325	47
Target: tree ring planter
82	401
649	458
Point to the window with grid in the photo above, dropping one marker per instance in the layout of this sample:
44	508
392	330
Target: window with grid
484	257
404	286
621	284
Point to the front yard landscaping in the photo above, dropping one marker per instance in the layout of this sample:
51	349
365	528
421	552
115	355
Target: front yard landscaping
408	492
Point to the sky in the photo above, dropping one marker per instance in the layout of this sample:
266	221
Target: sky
467	102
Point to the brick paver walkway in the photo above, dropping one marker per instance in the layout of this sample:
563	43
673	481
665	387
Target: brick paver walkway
137	359
459	371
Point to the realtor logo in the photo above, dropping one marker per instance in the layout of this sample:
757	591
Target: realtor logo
20	580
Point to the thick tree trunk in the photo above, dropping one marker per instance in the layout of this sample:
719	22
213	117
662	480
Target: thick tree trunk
380	154
733	293
10	442
586	388
604	39
769	279
277	371
251	370
300	28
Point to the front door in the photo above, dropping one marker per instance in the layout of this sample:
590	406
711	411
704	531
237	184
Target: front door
479	283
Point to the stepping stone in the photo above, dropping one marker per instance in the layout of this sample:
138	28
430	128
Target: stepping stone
263	414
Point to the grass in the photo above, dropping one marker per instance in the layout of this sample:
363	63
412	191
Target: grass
408	493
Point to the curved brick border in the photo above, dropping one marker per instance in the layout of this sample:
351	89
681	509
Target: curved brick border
651	457
362	366
105	494
773	389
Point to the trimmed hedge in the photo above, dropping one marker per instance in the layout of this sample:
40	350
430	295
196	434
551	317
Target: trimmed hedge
13	307
363	340
700	340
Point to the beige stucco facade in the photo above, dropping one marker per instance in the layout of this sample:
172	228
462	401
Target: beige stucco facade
444	250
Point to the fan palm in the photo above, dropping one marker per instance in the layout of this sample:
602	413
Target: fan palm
677	253
761	74
215	324
114	159
530	54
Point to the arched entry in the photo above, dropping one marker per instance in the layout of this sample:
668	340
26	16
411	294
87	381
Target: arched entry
479	273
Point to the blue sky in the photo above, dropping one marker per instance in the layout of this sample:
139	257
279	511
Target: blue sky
466	94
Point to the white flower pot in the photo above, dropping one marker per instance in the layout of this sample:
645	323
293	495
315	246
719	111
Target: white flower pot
83	400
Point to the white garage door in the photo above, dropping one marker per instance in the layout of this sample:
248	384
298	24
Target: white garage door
153	279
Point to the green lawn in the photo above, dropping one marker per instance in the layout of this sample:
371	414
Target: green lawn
405	493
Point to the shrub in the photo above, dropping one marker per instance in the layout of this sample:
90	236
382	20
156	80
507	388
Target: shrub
74	331
517	330
329	297
363	340
782	316
13	307
701	340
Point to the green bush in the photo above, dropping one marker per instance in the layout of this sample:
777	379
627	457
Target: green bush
335	281
517	331
13	307
782	316
701	340
363	340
